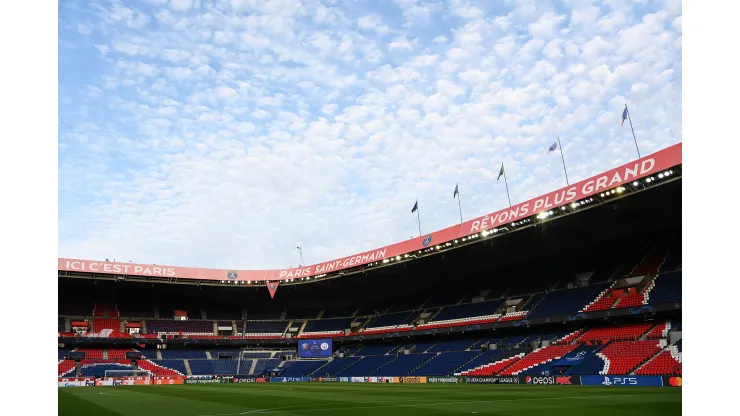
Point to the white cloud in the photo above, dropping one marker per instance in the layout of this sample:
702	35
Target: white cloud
318	123
372	23
400	43
181	5
546	26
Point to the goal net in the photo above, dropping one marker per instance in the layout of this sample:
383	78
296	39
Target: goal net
126	373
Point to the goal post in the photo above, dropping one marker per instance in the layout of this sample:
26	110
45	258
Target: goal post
127	373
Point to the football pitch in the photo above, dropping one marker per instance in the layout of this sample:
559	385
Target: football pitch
357	399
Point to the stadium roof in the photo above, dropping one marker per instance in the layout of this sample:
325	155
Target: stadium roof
634	177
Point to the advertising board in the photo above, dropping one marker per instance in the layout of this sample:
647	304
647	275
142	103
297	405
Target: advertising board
312	348
290	380
646	381
536	380
75	381
413	380
443	380
669	381
166	380
493	380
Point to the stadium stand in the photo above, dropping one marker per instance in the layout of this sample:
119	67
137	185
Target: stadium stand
336	365
569	301
403	365
548	290
444	363
366	365
623	357
615	333
301	368
667	289
339	312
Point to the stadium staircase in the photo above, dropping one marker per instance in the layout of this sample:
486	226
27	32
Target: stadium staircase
537	357
187	368
494	367
157	369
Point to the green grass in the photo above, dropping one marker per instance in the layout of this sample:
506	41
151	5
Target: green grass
357	399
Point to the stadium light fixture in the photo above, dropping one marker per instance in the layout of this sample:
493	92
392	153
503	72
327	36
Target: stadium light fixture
398	258
660	175
455	241
602	195
635	183
385	261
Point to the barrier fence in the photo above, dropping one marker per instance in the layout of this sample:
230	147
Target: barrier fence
612	381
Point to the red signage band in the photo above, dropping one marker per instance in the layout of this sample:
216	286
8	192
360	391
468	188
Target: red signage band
645	166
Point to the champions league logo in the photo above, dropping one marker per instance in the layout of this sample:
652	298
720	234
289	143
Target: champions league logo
427	241
232	275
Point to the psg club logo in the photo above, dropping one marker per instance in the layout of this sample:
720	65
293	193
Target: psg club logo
427	241
324	346
232	275
272	286
304	346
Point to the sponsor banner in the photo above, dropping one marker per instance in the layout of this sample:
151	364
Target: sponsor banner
327	379
648	381
640	168
168	380
493	380
344	379
108	381
414	380
218	380
357	379
443	379
289	380
243	379
536	380
75	381
672	381
568	380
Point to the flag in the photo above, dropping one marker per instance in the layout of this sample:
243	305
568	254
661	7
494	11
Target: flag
553	148
456	192
501	172
416	207
624	115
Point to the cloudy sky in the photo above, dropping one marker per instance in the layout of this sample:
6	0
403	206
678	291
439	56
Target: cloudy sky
224	133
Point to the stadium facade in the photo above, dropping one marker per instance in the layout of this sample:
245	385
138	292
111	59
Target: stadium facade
581	285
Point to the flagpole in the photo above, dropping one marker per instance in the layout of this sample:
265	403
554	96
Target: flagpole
507	185
458	203
418	218
629	117
562	157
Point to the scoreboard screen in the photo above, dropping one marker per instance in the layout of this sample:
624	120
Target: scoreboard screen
313	348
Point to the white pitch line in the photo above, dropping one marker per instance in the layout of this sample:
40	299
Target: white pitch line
275	409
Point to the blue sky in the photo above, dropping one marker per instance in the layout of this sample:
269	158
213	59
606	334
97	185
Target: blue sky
221	133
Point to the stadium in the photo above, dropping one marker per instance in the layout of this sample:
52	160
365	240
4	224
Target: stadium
566	303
